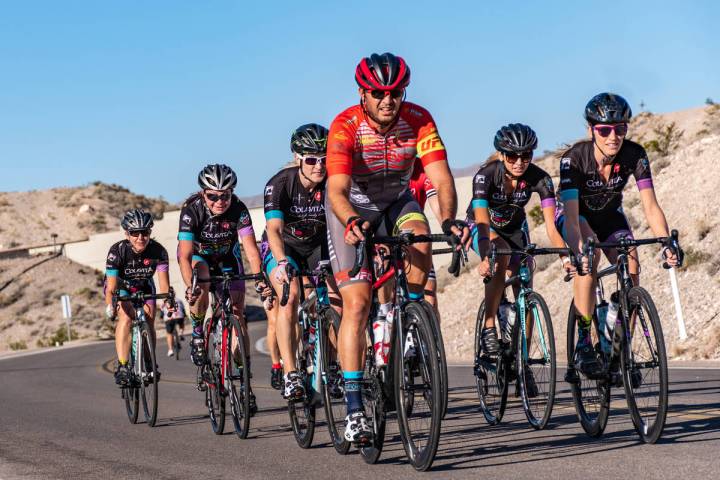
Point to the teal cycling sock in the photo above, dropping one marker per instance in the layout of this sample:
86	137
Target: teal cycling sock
353	391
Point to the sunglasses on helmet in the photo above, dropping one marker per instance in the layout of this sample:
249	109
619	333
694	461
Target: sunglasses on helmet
312	160
621	129
214	197
138	233
380	94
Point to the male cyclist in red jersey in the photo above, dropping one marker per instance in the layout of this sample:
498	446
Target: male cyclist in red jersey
371	150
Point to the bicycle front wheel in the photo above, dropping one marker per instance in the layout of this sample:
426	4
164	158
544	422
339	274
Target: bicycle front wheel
591	397
535	356
417	387
440	348
491	375
212	375
644	366
333	391
238	376
149	377
302	411
131	392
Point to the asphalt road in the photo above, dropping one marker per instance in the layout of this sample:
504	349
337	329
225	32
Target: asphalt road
62	417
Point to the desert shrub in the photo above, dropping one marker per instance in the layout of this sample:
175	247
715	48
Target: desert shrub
536	215
60	336
667	138
695	257
19	345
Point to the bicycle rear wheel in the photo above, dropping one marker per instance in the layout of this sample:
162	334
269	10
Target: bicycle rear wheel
644	366
149	377
440	347
591	397
238	378
333	392
374	402
212	375
536	362
417	377
302	411
491	376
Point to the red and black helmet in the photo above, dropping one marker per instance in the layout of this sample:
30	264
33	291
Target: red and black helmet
382	72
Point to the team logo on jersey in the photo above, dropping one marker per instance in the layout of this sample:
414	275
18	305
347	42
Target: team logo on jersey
549	184
479	178
367	140
318	196
111	257
186	219
226	226
565	163
268	190
429	143
340	135
645	162
522	184
244	218
616	168
146	262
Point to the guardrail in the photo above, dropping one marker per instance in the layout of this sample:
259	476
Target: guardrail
26	251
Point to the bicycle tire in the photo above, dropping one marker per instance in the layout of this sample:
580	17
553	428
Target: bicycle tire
408	366
238	379
148	390
214	395
334	405
644	364
302	411
131	392
491	376
440	347
374	403
544	358
590	397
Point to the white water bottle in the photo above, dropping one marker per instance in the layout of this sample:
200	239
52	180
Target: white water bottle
612	314
379	328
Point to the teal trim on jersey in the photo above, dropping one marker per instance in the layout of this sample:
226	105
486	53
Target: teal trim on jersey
571	194
111	272
186	236
270	214
199	259
479	203
357	375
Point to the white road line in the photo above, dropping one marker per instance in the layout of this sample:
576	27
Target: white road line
261	346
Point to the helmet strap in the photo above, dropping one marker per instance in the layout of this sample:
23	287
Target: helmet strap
313	184
607	159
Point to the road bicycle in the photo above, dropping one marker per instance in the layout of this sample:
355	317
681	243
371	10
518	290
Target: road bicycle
226	371
527	347
142	386
634	356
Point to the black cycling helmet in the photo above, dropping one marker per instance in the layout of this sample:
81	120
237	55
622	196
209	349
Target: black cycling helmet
137	219
217	177
515	138
382	72
309	138
607	108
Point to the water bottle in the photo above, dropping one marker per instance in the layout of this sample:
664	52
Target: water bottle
601	311
612	316
379	327
389	319
506	316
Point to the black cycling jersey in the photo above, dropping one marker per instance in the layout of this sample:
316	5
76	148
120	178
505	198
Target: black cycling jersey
213	235
136	269
302	211
507	209
581	180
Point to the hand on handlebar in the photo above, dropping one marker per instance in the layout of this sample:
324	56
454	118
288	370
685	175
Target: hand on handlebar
484	268
569	267
459	229
192	295
355	230
110	312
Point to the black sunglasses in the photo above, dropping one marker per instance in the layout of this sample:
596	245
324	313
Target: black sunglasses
137	233
380	94
214	197
621	130
524	157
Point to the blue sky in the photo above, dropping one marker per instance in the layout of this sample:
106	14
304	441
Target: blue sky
145	93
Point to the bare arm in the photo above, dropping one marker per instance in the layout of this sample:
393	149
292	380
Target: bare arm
338	191
555	238
111	284
164	280
274	228
185	253
482	220
654	214
572	226
435	207
441	177
252	252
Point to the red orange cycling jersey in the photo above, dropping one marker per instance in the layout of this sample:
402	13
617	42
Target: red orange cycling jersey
381	164
420	185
